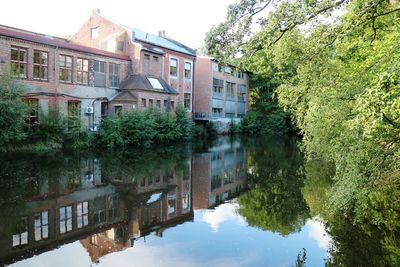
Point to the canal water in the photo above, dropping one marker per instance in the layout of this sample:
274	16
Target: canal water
231	202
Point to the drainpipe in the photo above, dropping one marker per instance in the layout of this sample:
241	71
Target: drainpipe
193	86
56	83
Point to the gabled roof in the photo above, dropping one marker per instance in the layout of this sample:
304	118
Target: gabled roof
125	95
153	39
165	42
54	41
141	82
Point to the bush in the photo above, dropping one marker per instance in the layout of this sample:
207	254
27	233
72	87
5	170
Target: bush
12	111
233	127
272	124
52	126
143	128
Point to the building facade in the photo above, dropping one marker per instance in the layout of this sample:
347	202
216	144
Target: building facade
76	80
221	92
153	56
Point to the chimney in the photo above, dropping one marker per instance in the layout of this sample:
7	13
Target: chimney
161	33
95	11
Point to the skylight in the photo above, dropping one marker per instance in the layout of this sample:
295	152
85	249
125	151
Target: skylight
155	83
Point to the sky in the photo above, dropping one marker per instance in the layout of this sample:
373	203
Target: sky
184	20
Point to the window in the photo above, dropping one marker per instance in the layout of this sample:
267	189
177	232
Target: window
104	109
99	68
155	83
150	102
241	92
99	216
159	103
41	225
228	70
120	46
188	70
155	58
186	101
241	75
166	105
220	68
94	33
20	236
33	111
82	214
65	68
118	109
83	71
173	67
40	65
172	105
230	90
146	56
74	110
216	182
215	66
114	75
217	112
143	103
217	86
229	115
19	57
65	219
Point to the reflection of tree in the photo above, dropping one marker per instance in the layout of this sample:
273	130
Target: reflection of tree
316	185
274	201
353	246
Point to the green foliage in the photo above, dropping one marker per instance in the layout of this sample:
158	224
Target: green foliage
143	128
274	201
233	127
183	123
207	130
52	126
12	112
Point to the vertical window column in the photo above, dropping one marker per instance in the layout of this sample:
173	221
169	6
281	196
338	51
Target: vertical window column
65	68
19	57
40	65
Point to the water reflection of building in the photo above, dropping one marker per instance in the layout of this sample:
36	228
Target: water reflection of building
106	215
218	174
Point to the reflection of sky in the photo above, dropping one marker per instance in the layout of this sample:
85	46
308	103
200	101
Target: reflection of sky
218	237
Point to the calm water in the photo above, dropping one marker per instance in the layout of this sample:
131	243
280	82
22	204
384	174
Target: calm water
229	203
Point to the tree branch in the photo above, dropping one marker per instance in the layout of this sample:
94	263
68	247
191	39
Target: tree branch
312	16
390	121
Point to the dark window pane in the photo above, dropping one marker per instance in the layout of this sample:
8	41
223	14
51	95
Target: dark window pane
36	57
14	54
36	72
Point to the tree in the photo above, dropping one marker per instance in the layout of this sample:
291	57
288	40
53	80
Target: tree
12	111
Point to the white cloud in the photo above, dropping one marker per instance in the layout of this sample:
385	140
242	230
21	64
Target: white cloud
73	254
221	214
318	233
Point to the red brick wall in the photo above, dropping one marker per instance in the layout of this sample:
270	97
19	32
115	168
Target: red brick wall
203	85
105	29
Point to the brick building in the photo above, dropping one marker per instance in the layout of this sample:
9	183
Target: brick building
221	92
158	58
75	79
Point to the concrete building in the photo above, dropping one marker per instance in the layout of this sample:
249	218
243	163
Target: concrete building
221	92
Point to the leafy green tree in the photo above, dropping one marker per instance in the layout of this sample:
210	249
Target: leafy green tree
12	111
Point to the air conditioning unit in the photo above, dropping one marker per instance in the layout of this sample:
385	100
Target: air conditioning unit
89	110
